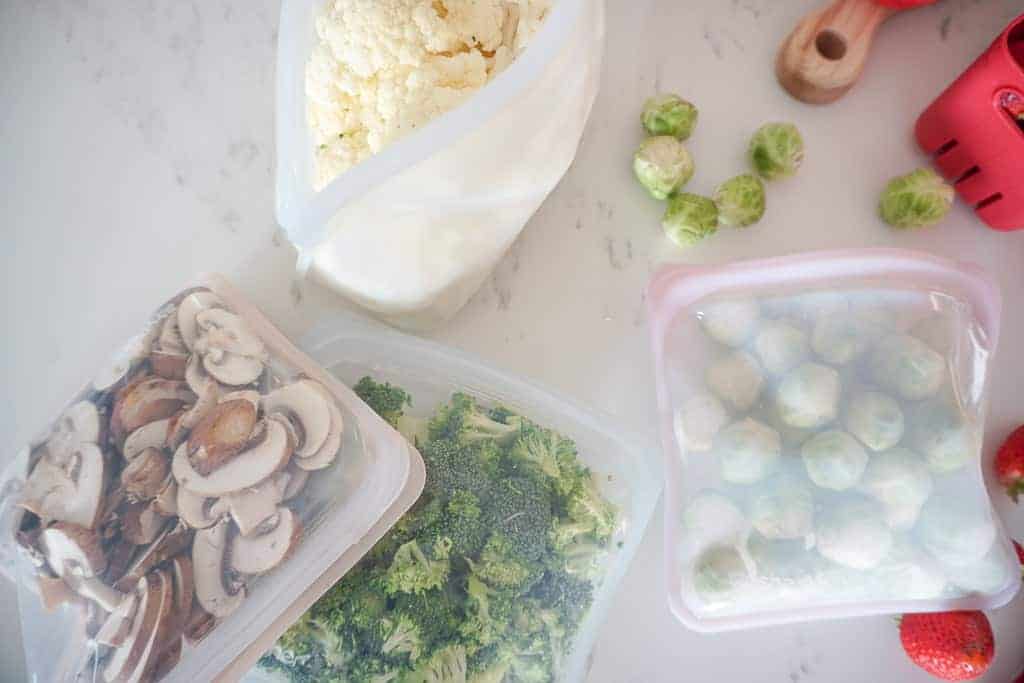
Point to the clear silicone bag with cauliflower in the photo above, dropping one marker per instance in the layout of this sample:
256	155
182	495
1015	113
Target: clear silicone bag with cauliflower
822	420
415	138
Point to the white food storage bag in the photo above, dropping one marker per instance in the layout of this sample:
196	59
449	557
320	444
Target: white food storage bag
367	478
822	419
411	233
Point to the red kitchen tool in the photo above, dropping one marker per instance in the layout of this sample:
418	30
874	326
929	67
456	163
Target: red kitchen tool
825	54
975	130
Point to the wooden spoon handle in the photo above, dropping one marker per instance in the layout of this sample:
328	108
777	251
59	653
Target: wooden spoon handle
825	54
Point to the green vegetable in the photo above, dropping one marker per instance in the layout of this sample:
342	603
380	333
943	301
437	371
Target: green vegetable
485	580
915	200
740	201
776	150
387	401
669	115
662	165
689	218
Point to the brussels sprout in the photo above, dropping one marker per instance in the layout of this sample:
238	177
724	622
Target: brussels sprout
875	419
834	460
712	519
783	509
988	575
736	379
669	114
809	306
841	338
689	218
939	431
662	165
915	200
698	420
720	574
937	331
900	481
780	347
740	201
748	451
808	396
731	322
852	533
907	366
776	150
787	562
908	573
955	532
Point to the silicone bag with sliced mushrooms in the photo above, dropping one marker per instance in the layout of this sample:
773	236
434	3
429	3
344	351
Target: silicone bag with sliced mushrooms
208	481
822	419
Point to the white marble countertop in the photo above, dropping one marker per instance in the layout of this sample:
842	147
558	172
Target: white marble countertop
136	148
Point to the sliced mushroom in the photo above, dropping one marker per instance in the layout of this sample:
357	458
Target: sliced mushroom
259	554
188	309
252	506
329	450
145	401
72	549
231	353
184	589
221	435
166	660
208	565
297	478
140	523
94	589
166	501
169	338
174	539
145	475
139	645
79	424
119	559
183	423
198	511
168	364
118	624
54	592
198	380
200	622
166	633
249	395
246	469
152	435
69	493
306	407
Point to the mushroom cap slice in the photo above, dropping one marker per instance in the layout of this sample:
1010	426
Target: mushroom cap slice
118	624
169	338
69	493
250	395
246	469
297	479
145	401
198	380
151	435
188	309
79	424
307	408
329	450
72	549
223	331
183	423
221	434
260	553
100	593
140	523
232	369
184	589
54	592
196	511
174	539
253	506
166	501
168	364
145	475
200	622
208	565
150	591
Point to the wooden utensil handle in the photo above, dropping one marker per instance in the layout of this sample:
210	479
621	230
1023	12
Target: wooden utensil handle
825	54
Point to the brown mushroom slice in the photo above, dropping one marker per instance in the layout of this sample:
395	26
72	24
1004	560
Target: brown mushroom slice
53	592
231	353
297	478
151	593
170	338
166	660
208	565
232	369
249	395
252	506
72	549
145	475
184	589
79	424
167	632
119	559
166	500
191	306
140	648
198	380
168	364
198	512
200	622
140	523
145	401
246	469
174	539
118	624
306	407
260	553
152	435
183	423
221	435
325	456
71	492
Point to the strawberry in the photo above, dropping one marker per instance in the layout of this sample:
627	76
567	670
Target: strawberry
1010	463
954	646
1020	556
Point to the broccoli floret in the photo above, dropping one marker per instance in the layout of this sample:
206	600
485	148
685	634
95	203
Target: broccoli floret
520	508
462	521
488	613
552	454
565	593
581	558
415	569
585	505
436	613
463	421
401	636
452	467
499	565
444	666
385	399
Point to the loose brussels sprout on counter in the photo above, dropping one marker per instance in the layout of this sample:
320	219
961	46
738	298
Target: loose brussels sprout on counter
669	114
712	519
808	396
698	421
940	432
875	419
748	451
852	533
740	201
776	150
900	481
662	165
689	218
780	347
915	200
906	365
956	533
834	460
731	322
736	379
783	509
719	574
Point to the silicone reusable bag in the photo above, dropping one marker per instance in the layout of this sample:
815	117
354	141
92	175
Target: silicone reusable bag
431	373
822	417
411	233
343	508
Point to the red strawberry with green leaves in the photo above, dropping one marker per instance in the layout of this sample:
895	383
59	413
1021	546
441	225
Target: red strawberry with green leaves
954	646
1020	556
1010	463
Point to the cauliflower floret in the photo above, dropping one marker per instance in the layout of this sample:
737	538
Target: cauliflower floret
900	481
698	421
808	396
748	451
780	347
907	366
713	519
736	379
955	532
852	533
834	460
731	322
783	509
875	419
